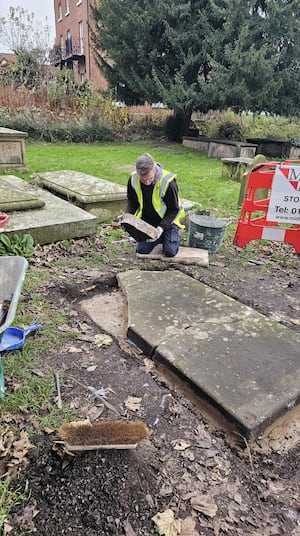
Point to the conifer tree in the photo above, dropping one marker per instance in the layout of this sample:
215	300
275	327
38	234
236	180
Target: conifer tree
201	54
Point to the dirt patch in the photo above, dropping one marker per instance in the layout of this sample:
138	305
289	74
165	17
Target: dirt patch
190	467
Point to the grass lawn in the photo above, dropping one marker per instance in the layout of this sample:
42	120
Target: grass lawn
199	177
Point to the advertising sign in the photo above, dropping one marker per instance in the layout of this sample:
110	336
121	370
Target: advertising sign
284	203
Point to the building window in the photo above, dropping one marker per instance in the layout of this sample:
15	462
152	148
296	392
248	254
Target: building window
81	40
59	12
67	7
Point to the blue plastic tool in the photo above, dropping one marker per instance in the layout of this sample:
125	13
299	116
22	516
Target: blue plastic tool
14	338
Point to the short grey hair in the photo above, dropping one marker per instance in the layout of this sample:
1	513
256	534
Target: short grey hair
144	164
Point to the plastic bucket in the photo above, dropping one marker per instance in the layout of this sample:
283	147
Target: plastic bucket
206	232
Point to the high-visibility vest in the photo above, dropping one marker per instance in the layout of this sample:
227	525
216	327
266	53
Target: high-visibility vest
159	191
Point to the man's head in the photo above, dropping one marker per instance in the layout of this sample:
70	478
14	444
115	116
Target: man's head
146	168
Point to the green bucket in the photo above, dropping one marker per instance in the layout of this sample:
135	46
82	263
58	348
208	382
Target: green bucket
206	232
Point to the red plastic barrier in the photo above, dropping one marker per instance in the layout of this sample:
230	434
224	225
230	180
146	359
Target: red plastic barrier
253	227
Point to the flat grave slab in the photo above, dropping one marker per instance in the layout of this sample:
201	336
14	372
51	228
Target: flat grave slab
185	255
99	197
14	197
240	361
56	220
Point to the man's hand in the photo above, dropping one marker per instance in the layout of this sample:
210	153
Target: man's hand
159	232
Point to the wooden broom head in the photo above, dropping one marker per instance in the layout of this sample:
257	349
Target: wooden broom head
103	433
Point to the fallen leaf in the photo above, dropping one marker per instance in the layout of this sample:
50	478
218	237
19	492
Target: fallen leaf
166	524
149	364
295	321
94	413
64	327
188	527
7	528
25	519
133	403
87	289
238	498
102	339
74	350
85	338
188	455
180	444
48	430
202	504
38	373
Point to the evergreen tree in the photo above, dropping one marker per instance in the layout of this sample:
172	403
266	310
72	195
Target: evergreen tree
154	51
201	54
255	63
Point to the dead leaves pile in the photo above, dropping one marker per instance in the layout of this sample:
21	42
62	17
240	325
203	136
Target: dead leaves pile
13	451
167	525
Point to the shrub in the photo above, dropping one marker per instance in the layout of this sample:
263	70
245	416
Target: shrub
231	130
48	128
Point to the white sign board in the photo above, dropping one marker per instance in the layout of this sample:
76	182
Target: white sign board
284	203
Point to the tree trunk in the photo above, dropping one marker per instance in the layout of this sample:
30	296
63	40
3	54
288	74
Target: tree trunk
184	118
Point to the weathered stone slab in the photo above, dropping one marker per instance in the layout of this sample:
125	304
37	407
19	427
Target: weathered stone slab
102	198
233	168
230	149
56	220
185	255
16	198
201	144
241	362
138	228
12	150
219	148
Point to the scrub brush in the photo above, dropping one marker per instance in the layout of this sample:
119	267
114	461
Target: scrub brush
84	435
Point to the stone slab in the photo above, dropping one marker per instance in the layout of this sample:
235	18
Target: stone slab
104	199
139	229
185	255
16	198
240	361
233	168
56	220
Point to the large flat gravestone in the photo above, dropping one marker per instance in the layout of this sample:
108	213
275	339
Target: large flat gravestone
12	150
56	220
240	361
102	198
13	197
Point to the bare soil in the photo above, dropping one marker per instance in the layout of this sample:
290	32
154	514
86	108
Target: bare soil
201	477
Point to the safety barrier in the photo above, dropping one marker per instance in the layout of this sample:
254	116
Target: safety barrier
278	216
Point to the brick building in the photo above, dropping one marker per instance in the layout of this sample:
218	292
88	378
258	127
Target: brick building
73	46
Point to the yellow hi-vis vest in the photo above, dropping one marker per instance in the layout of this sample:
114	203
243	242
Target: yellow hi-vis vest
159	191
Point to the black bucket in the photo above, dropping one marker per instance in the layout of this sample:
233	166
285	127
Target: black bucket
206	232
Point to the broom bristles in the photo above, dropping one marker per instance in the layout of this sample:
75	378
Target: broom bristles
103	433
